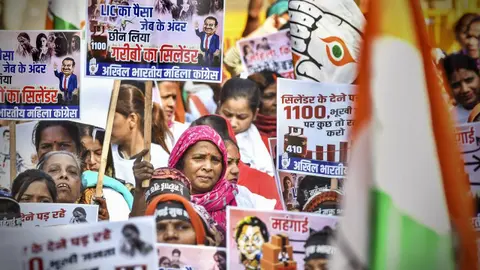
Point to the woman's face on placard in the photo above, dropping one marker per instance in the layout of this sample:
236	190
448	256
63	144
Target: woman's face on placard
203	166
238	112
65	172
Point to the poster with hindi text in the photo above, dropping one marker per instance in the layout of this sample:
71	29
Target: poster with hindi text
316	119
191	257
251	233
40	75
468	139
102	246
270	52
155	39
54	214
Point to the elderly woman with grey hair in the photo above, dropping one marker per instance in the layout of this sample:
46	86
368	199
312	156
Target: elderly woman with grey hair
66	170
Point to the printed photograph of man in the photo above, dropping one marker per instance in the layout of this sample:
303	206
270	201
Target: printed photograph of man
318	249
79	216
264	45
250	235
209	42
132	245
463	76
176	263
68	83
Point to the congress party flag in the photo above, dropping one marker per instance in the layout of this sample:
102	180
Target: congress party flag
67	15
406	203
326	37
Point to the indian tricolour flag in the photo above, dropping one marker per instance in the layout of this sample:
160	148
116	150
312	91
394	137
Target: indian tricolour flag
66	14
406	205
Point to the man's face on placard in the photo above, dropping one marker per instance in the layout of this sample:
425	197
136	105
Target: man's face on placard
67	67
209	26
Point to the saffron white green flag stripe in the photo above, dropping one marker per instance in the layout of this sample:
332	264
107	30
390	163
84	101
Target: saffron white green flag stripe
66	14
404	185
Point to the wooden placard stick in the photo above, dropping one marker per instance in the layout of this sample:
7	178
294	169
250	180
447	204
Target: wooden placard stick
12	127
147	125
106	141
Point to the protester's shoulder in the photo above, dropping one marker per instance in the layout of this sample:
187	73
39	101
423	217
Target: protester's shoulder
246	198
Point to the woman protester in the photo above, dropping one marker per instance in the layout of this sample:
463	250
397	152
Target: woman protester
202	156
127	133
117	195
34	186
239	103
49	136
266	121
65	169
257	182
168	199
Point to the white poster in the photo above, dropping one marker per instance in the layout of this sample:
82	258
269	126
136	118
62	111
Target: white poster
53	214
314	120
101	246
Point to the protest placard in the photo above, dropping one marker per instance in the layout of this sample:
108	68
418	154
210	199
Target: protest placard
270	52
252	237
315	117
53	214
40	75
191	257
152	39
468	138
104	245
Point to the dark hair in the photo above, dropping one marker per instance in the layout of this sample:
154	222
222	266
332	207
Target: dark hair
38	42
25	179
237	87
230	140
474	20
245	47
77	42
87	131
167	5
212	18
220	253
24	35
254	222
69	59
176	251
463	22
81	210
70	127
6	131
216	122
132	100
454	62
130	226
162	259
264	79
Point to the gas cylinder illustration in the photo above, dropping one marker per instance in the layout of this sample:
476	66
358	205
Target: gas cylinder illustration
295	143
278	254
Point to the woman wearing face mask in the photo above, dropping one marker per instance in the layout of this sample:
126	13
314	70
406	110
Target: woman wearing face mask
257	182
117	195
239	103
127	133
201	155
266	121
34	186
65	169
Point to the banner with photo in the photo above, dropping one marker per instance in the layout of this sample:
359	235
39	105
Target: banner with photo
268	239
54	214
191	257
103	245
156	39
313	137
40	75
270	52
26	154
